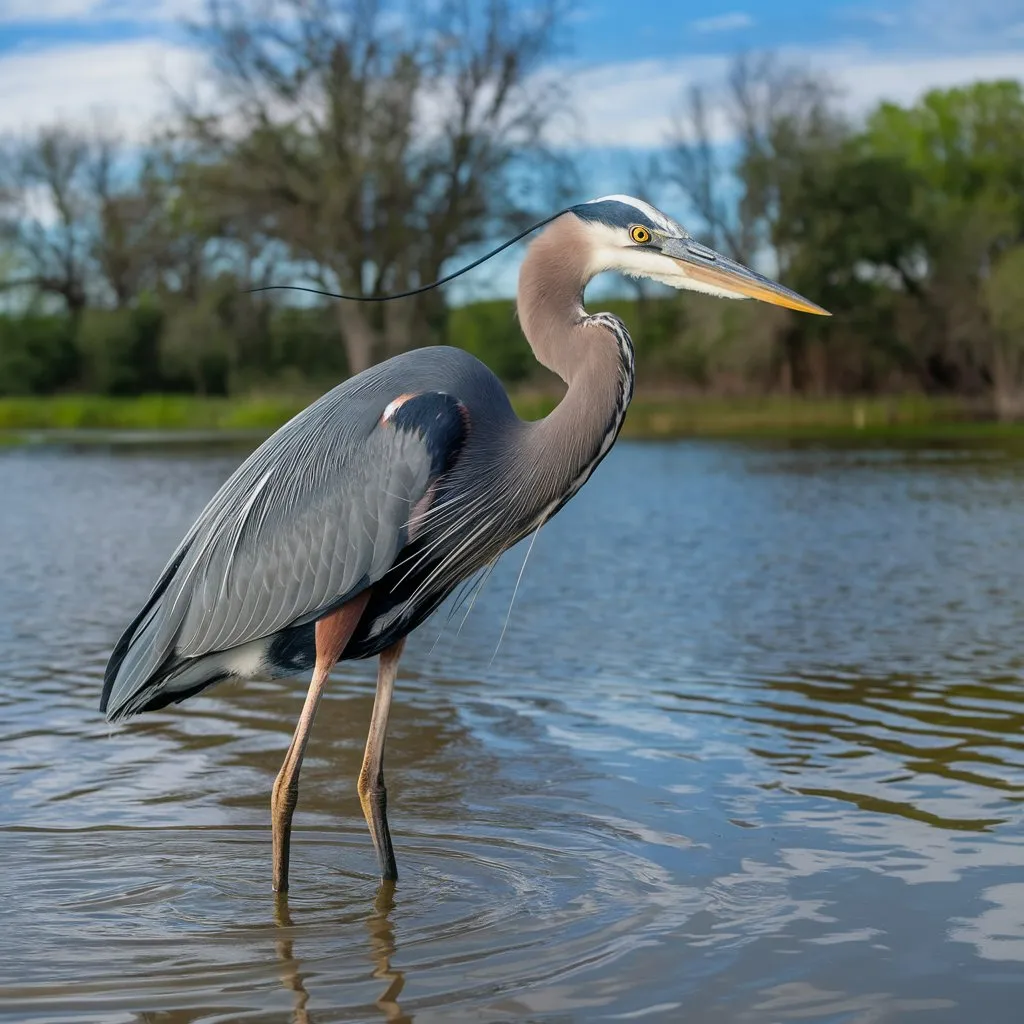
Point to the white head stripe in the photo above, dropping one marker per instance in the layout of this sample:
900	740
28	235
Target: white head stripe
655	216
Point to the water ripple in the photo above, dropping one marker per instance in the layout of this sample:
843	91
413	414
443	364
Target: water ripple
751	749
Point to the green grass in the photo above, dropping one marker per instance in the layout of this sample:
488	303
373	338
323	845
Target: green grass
649	417
654	417
148	412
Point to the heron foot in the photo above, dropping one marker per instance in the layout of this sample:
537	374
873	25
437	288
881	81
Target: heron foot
284	798
373	797
374	800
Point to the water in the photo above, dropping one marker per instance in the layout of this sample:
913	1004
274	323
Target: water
751	750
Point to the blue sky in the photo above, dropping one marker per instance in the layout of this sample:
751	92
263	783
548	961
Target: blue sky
618	31
626	61
603	30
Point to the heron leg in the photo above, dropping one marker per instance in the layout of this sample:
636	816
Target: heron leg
372	795
333	632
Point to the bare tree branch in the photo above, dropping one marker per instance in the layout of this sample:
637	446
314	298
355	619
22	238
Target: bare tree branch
375	141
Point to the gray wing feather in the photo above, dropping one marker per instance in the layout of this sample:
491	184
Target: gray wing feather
315	515
283	559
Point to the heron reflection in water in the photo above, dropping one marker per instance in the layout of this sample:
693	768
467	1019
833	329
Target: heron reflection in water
341	533
381	933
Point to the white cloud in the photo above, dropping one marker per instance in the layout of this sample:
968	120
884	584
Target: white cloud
621	105
126	83
870	16
868	79
949	24
631	104
960	24
731	22
54	10
998	932
37	11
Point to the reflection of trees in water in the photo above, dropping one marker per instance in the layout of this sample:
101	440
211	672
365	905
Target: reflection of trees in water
970	733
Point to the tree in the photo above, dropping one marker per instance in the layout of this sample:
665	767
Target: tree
196	346
740	151
966	147
1004	298
83	216
696	166
130	231
374	145
966	142
853	241
733	144
45	212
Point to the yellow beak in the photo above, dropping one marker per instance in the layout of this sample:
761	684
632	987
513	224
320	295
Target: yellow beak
719	273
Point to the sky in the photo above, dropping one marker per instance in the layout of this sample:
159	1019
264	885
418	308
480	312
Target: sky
626	62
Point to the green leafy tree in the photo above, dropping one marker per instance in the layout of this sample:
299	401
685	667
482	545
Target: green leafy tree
1004	299
119	349
196	347
965	146
37	353
854	241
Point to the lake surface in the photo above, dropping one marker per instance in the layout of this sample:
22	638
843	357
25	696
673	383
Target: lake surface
751	749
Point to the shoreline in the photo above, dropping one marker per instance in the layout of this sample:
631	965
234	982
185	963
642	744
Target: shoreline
193	419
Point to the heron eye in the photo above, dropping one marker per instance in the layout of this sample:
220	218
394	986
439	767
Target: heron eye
639	234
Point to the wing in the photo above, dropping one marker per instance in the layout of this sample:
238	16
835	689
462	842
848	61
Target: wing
316	515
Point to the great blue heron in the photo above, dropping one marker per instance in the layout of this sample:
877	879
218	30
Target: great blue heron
342	532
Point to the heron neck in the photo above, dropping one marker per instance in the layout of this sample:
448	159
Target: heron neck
592	354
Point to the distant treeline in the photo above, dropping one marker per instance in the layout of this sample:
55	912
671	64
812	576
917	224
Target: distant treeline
695	343
127	269
146	348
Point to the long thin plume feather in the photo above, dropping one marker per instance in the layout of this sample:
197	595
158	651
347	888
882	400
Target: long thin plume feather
476	592
467	595
423	288
515	590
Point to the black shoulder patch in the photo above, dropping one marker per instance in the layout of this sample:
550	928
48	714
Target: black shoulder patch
441	420
614	214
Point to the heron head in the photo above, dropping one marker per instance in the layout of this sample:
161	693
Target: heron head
634	238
